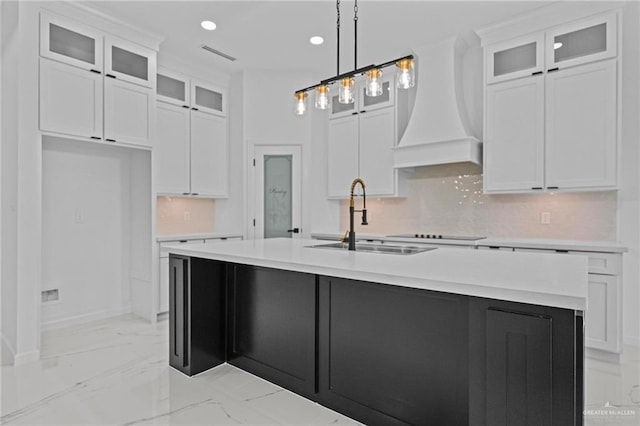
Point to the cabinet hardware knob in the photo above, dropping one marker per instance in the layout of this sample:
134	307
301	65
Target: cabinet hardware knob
195	109
552	187
194	193
110	140
537	188
553	69
185	106
96	137
562	251
185	193
110	75
363	111
95	71
354	113
294	230
536	73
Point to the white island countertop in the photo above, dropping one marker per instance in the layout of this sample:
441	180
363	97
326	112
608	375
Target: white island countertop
534	278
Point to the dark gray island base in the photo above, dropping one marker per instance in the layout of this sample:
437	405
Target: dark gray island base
378	353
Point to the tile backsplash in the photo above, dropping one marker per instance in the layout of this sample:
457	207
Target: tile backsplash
184	215
448	199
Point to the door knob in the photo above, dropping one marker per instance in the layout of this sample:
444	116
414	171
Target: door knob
294	230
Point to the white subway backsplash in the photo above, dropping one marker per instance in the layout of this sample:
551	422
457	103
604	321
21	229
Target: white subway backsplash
448	199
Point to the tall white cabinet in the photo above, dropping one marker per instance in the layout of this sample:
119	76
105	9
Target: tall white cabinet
551	109
94	85
193	145
360	140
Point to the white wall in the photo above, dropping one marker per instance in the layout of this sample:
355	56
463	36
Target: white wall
86	231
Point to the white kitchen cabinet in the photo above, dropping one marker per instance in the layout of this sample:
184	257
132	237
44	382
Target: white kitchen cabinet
360	141
603	316
129	62
172	153
521	57
67	41
70	100
514	139
192	152
208	98
555	130
581	127
173	88
127	112
342	154
588	40
377	138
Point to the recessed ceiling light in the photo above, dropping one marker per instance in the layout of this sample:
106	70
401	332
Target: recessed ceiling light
316	40
208	25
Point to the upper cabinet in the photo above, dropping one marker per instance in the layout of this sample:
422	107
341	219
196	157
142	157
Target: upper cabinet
178	89
551	120
94	93
517	58
72	43
581	42
129	62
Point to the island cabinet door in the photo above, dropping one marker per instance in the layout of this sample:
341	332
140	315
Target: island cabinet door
525	365
197	315
391	355
272	326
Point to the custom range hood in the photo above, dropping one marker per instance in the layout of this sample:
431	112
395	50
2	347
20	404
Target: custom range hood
445	125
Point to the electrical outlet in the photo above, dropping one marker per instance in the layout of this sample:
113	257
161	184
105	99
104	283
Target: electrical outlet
545	218
187	216
50	295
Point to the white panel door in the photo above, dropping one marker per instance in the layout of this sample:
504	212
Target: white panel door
581	143
70	100
377	138
127	113
342	155
514	143
601	316
172	150
209	155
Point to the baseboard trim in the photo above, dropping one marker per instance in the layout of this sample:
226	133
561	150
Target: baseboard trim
26	357
8	353
84	318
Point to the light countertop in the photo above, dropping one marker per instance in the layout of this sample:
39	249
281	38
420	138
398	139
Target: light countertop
534	278
200	236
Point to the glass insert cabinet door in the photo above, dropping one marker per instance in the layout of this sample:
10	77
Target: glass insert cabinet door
277	186
515	58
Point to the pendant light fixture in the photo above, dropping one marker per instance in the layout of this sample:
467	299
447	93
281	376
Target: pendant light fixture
405	75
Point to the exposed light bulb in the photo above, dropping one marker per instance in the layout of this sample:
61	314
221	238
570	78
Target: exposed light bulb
345	93
301	103
557	45
373	84
322	96
405	73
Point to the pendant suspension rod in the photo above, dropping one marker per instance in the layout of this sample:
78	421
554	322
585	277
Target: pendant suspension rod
355	35
338	37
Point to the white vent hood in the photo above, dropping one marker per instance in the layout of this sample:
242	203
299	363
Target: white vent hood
445	125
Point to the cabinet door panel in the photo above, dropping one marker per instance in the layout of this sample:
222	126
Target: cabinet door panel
172	88
515	58
163	296
519	365
514	145
581	127
209	154
70	100
385	356
377	138
583	41
130	62
272	325
601	317
127	112
172	153
70	42
208	98
342	155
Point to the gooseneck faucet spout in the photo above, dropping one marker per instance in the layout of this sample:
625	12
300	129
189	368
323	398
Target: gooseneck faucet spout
352	210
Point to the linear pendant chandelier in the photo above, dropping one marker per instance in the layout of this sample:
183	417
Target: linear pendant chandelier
405	75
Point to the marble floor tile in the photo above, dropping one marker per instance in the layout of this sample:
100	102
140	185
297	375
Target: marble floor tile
116	372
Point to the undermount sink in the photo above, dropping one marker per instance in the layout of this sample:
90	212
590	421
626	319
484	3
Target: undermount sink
376	248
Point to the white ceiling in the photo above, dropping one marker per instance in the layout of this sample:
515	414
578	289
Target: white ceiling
275	34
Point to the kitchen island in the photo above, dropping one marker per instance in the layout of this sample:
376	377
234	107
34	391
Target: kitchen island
446	336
